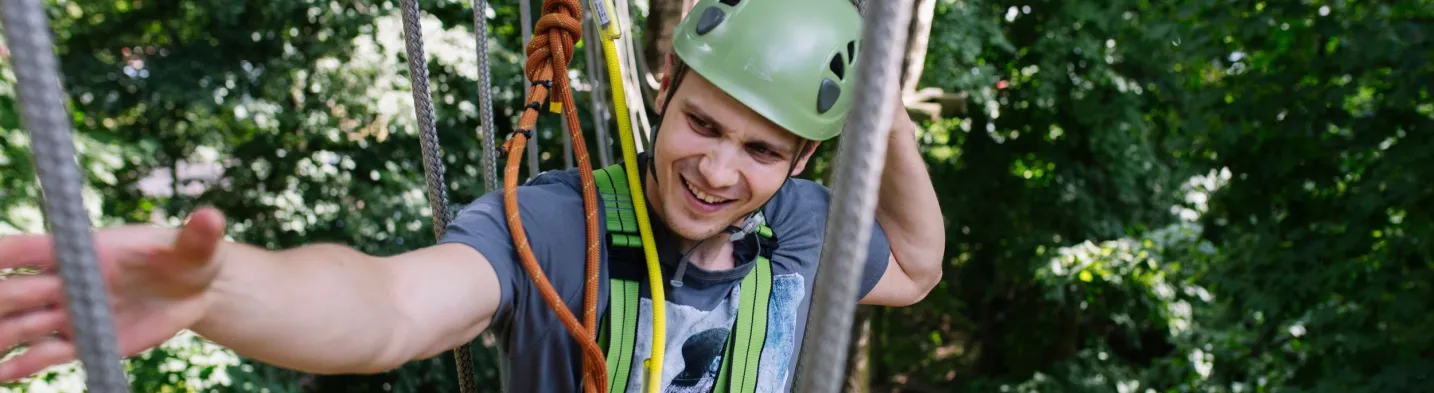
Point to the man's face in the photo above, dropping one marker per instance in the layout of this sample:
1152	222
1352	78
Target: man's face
716	160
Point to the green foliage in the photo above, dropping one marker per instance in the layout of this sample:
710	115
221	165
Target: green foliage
295	118
1324	117
1308	271
1063	145
1212	196
18	191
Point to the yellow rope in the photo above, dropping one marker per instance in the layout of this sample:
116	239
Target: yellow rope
610	32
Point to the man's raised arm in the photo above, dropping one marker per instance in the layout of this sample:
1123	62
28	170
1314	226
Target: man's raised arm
909	212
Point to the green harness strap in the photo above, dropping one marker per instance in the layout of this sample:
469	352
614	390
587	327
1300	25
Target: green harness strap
744	347
739	362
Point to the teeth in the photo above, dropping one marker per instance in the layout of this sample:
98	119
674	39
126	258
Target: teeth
702	195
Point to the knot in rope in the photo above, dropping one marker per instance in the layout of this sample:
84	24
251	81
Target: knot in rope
549	53
551	49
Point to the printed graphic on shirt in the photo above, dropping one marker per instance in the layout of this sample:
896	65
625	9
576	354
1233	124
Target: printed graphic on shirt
696	340
788	290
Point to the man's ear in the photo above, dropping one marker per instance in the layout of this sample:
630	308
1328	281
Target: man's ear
808	149
669	63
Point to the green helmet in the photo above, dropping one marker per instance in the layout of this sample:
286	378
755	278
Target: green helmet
792	61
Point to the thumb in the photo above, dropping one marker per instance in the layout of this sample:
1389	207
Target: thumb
199	237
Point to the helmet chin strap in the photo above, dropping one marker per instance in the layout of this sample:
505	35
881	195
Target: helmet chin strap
734	233
679	70
749	225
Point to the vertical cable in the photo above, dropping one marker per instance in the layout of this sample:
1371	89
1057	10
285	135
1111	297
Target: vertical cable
595	64
525	10
423	108
432	154
44	114
463	354
861	155
485	97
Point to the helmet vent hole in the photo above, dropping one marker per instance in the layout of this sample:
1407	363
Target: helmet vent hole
837	67
731	2
850	52
711	17
827	95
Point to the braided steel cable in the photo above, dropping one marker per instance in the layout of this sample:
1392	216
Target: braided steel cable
463	354
423	108
861	155
432	157
485	97
43	112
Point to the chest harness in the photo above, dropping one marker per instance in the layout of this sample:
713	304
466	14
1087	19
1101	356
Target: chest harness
617	334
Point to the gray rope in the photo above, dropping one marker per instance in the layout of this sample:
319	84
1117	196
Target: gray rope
597	71
432	156
525	10
861	155
423	106
43	112
485	97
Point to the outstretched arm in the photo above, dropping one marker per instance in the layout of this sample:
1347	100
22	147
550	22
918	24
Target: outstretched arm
330	309
908	211
319	308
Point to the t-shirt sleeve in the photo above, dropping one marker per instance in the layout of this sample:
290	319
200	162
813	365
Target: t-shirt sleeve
802	208
878	255
547	209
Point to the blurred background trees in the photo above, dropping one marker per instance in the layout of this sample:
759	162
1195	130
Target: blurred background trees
1194	195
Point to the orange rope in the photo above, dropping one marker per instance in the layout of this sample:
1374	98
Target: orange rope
549	53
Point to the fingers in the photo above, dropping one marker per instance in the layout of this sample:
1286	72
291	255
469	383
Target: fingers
31	326
41	355
26	251
200	236
27	292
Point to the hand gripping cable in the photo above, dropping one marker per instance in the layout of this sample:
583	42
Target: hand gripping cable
549	53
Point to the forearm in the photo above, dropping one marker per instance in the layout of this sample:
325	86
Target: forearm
320	308
908	210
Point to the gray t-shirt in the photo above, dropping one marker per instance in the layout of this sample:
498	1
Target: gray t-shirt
536	352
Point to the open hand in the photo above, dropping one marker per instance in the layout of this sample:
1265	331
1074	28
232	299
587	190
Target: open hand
157	279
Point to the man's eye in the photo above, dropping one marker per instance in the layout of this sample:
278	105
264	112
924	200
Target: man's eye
763	153
699	123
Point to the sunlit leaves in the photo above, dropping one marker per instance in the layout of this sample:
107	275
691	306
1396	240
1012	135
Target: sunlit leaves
1088	117
1084	253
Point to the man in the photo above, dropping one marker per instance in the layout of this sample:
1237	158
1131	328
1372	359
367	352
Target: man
755	86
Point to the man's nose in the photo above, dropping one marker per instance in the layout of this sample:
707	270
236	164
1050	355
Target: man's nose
718	168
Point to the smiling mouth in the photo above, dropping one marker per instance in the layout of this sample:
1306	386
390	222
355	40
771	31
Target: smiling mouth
702	197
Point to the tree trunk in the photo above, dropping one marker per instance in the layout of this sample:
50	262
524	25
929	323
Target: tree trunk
662	19
930	103
920	35
858	365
